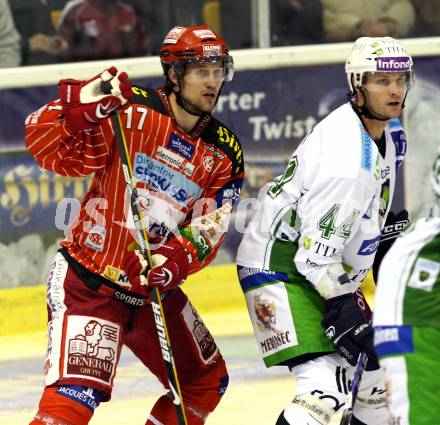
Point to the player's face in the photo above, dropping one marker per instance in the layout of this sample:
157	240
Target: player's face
385	93
201	85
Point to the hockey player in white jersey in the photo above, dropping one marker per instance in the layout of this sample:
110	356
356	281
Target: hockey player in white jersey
407	319
314	236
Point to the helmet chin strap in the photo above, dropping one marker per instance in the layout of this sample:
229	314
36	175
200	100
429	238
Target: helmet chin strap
365	112
182	102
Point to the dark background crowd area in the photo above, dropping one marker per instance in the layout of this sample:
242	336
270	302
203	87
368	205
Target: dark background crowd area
36	32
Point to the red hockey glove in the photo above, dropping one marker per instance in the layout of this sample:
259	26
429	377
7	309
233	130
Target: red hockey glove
170	268
84	103
135	266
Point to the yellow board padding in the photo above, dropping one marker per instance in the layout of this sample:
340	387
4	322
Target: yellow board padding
214	291
369	289
23	310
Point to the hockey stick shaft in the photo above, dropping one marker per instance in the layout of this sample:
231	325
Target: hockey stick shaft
156	303
347	413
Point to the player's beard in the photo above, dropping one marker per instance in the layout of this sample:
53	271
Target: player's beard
385	115
193	108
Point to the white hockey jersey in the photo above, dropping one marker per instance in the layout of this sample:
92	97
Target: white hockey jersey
330	204
408	292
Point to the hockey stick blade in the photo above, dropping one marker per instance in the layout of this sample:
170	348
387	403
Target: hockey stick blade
347	413
346	416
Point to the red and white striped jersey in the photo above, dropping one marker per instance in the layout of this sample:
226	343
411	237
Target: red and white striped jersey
186	183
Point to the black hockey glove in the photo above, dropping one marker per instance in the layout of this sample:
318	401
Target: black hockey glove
394	224
348	328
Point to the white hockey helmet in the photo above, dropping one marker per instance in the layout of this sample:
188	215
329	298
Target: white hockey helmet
377	54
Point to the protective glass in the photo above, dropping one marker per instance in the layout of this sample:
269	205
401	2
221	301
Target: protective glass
376	82
219	68
203	72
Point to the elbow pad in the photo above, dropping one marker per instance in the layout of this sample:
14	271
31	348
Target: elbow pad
335	282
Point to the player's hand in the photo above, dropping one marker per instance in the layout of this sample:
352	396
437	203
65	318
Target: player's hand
394	225
348	328
170	268
85	104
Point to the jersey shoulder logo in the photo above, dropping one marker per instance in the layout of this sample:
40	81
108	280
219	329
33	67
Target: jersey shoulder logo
400	143
226	141
148	97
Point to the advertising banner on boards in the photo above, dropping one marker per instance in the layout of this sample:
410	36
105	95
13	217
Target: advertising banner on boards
270	110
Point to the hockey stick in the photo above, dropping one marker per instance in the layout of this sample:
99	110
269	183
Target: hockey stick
347	413
142	237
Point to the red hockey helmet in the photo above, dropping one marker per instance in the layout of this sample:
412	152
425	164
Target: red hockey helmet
184	45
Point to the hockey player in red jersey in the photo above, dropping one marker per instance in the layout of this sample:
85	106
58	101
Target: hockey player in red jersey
189	171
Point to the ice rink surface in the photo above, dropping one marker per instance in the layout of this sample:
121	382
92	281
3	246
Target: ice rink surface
255	395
